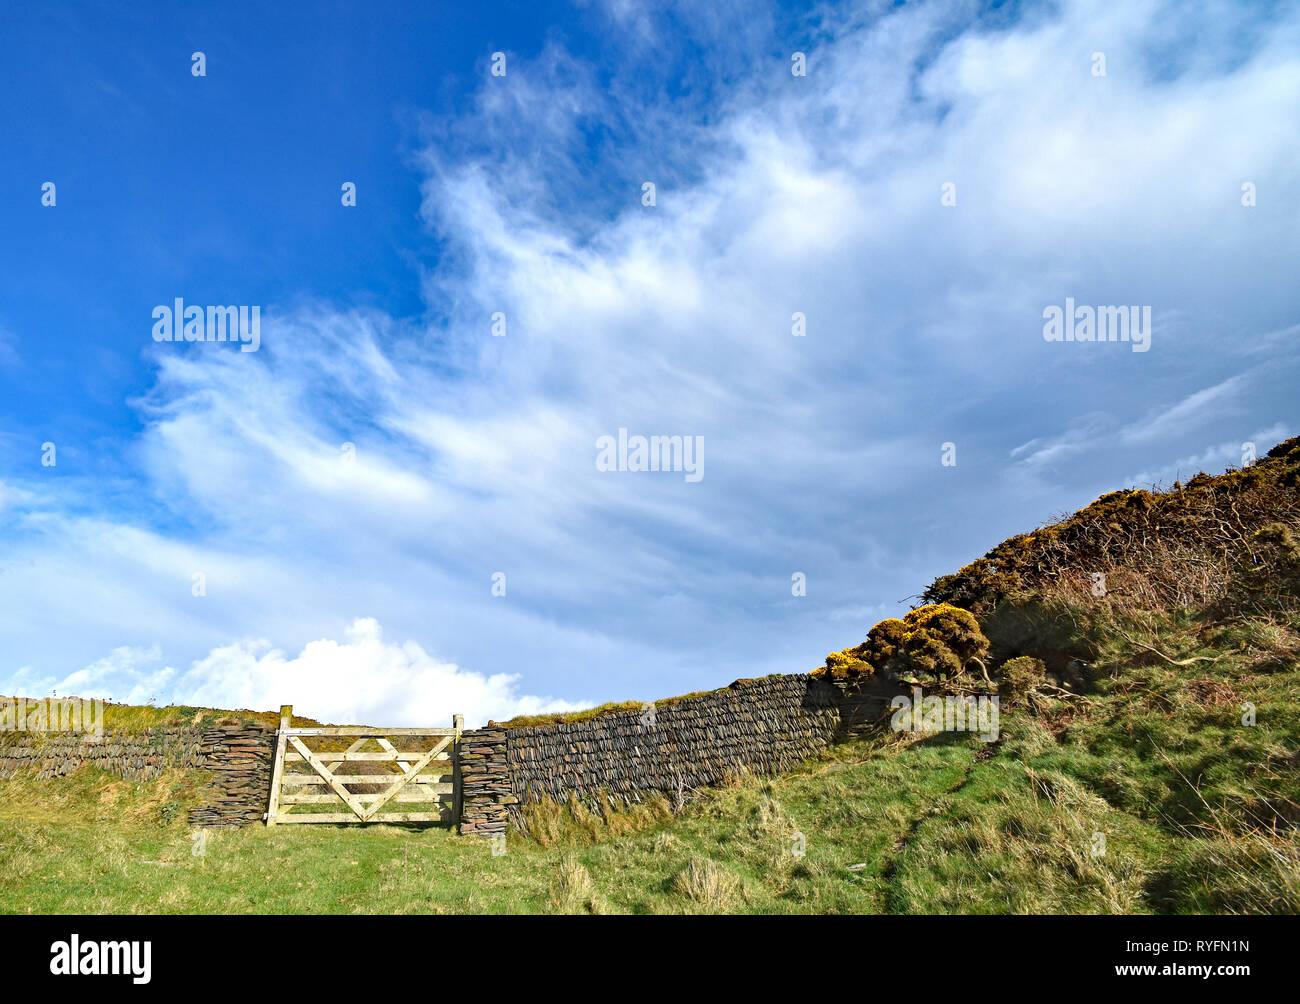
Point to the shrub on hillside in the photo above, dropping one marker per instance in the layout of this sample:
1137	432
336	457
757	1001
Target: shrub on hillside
1019	678
1156	549
1281	541
1267	571
846	666
932	642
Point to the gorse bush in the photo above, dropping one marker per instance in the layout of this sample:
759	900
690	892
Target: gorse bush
1019	678
1272	563
935	642
1195	545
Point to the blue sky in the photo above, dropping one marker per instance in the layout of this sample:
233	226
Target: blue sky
363	590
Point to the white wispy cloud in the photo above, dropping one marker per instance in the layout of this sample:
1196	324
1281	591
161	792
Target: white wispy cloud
1205	406
1084	434
1213	459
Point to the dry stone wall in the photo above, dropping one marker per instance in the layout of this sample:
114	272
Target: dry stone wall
137	756
240	758
238	755
486	793
763	726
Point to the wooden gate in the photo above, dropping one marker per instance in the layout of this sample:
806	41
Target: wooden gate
332	768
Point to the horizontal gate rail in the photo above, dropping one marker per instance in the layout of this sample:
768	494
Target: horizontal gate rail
359	731
362	757
305	780
357	783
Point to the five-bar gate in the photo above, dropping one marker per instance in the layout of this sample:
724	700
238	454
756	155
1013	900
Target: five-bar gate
362	775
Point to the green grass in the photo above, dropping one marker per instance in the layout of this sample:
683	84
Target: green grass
142	717
1198	813
93	843
131	717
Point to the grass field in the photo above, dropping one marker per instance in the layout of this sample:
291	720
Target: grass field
1196	811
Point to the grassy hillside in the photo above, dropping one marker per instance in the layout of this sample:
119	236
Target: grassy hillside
1197	811
892	823
1152	764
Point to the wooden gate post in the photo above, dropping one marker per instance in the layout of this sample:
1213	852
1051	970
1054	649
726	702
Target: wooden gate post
273	809
457	723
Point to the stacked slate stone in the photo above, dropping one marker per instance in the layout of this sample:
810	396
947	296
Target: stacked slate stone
137	756
240	758
238	755
760	726
486	791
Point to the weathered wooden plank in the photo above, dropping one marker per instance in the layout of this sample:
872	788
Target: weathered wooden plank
359	731
457	723
385	817
356	746
404	768
420	764
273	809
360	757
324	772
428	793
298	780
423	792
